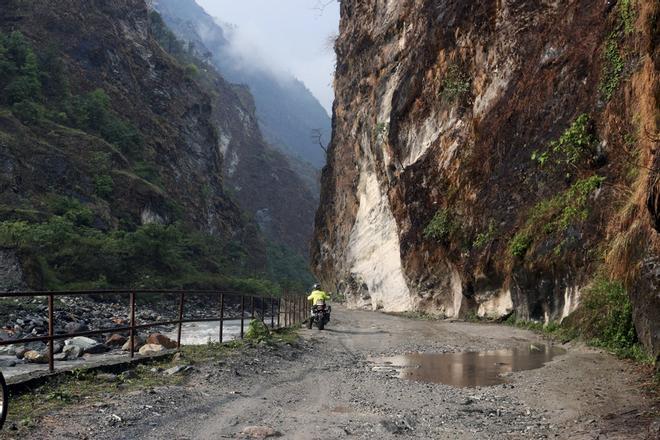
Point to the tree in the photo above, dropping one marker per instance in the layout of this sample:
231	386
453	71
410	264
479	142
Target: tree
317	138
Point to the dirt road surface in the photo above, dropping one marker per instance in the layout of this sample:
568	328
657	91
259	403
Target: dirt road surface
327	388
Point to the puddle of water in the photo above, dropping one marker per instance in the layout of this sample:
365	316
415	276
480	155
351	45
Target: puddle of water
468	369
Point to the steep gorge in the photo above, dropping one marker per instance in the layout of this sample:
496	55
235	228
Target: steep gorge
493	157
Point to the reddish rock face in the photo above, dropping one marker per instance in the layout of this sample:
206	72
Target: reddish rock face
490	157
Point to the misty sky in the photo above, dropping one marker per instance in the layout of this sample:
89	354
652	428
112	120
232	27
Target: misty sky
288	35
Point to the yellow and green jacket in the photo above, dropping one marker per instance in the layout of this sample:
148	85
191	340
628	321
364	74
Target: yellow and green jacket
318	296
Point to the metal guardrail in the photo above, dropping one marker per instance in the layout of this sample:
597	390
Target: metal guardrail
287	310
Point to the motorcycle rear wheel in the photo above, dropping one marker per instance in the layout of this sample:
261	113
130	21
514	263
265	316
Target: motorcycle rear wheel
310	321
4	400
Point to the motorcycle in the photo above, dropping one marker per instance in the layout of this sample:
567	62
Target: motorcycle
320	316
4	400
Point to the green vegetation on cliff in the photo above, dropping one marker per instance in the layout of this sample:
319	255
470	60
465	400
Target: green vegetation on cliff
554	216
90	237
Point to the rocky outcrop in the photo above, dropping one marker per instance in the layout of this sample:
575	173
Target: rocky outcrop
274	182
486	156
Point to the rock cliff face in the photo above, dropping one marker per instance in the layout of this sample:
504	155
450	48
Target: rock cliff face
107	45
286	110
278	186
493	156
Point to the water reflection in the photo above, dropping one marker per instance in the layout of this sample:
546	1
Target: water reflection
470	369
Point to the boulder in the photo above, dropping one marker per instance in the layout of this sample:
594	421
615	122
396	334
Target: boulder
35	357
149	349
139	342
159	339
88	345
70	352
259	432
8	350
116	341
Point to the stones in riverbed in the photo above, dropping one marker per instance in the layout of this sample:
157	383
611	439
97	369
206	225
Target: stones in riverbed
87	345
158	339
116	341
70	352
149	349
35	357
139	342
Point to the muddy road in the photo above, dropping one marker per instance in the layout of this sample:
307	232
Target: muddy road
328	387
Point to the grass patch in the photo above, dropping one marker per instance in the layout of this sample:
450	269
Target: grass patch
555	216
627	15
442	226
419	316
26	409
613	67
605	320
572	147
484	238
553	329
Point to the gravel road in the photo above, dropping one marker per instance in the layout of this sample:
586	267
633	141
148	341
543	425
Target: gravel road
326	388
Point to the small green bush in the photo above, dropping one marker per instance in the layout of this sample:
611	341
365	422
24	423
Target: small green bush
484	238
519	244
627	15
574	145
604	318
441	227
257	331
191	70
455	84
30	113
613	67
104	185
556	215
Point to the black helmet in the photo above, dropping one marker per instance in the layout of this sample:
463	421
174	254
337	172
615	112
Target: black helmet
316	286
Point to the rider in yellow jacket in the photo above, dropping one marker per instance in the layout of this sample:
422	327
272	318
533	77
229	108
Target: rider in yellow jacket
318	296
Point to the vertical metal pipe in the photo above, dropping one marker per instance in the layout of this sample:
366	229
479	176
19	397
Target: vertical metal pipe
295	311
222	313
132	324
263	309
279	310
178	334
272	312
51	333
242	314
252	307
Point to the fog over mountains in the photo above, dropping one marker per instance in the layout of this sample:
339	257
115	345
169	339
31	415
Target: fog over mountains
286	109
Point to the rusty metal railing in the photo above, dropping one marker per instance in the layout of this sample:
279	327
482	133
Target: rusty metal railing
288	309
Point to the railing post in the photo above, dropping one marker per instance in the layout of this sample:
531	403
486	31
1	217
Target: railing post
263	309
178	335
279	310
272	312
252	307
242	314
222	313
295	311
51	333
132	324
